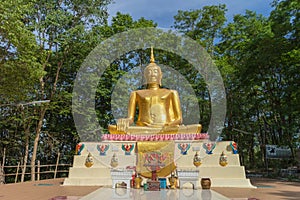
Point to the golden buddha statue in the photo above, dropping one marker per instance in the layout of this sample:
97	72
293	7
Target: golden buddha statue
158	108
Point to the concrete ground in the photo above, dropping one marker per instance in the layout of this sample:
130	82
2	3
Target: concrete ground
43	190
268	189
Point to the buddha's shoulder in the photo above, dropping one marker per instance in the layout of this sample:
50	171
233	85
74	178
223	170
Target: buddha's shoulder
161	90
170	91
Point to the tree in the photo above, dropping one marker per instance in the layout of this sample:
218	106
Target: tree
56	29
257	58
245	47
203	25
285	25
109	80
261	89
19	69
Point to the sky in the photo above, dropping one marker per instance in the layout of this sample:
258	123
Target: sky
163	11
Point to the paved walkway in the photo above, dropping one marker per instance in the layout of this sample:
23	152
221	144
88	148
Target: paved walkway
164	194
268	189
43	190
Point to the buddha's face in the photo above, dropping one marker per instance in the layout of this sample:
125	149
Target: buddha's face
153	74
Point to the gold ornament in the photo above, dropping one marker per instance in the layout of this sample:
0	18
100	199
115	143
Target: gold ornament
197	160
223	160
89	161
137	182
114	161
173	181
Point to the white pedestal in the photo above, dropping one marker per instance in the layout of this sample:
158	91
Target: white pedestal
188	176
120	176
232	175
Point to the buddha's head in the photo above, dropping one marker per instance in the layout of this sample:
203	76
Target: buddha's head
153	72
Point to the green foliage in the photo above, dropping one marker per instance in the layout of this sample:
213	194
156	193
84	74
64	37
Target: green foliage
262	83
203	25
111	76
257	58
19	66
42	45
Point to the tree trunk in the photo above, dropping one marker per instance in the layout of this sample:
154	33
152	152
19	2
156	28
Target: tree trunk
36	141
42	115
26	152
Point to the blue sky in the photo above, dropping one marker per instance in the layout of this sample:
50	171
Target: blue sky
162	11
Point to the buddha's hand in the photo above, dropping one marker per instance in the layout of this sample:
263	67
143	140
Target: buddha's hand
123	124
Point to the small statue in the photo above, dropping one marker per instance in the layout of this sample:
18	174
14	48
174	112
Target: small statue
173	181
138	181
223	160
89	160
197	160
114	161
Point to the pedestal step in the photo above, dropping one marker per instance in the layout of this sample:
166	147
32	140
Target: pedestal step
228	172
92	172
232	182
207	160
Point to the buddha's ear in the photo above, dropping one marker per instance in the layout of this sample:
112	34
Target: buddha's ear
145	80
160	77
